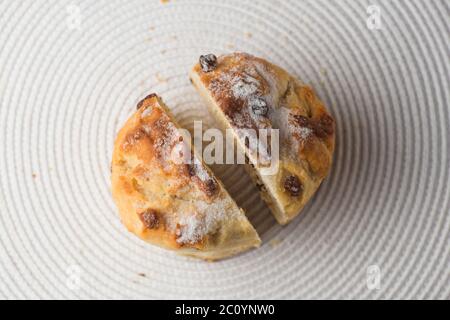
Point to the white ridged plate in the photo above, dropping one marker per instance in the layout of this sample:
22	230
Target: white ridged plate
382	217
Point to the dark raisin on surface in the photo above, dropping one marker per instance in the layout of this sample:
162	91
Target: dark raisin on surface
259	106
302	121
191	169
208	62
247	144
210	187
292	185
324	126
141	103
149	218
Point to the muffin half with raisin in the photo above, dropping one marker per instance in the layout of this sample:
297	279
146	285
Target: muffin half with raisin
244	92
167	196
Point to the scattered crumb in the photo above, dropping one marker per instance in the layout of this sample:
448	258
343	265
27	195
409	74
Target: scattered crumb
275	242
174	37
164	1
160	78
230	46
141	275
151	28
248	34
34	175
324	73
163	51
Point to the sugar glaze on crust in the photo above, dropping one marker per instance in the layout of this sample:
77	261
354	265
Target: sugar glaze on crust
166	201
246	92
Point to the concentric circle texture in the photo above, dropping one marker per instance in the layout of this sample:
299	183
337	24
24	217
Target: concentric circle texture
72	72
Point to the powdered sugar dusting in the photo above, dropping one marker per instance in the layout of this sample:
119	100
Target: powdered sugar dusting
271	83
303	132
288	130
191	229
166	141
241	120
250	84
242	81
254	83
279	120
200	171
206	220
180	152
244	86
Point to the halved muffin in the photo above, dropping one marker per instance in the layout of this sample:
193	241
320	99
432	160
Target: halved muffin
245	92
167	196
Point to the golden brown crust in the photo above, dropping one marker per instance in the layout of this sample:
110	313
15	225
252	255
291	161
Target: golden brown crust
166	201
246	92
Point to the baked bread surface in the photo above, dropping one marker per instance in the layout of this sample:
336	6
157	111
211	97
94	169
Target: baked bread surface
246	92
167	196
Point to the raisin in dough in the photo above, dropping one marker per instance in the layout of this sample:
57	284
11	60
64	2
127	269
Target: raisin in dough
242	92
168	202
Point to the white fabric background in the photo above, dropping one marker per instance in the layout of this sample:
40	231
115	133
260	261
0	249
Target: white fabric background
65	91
